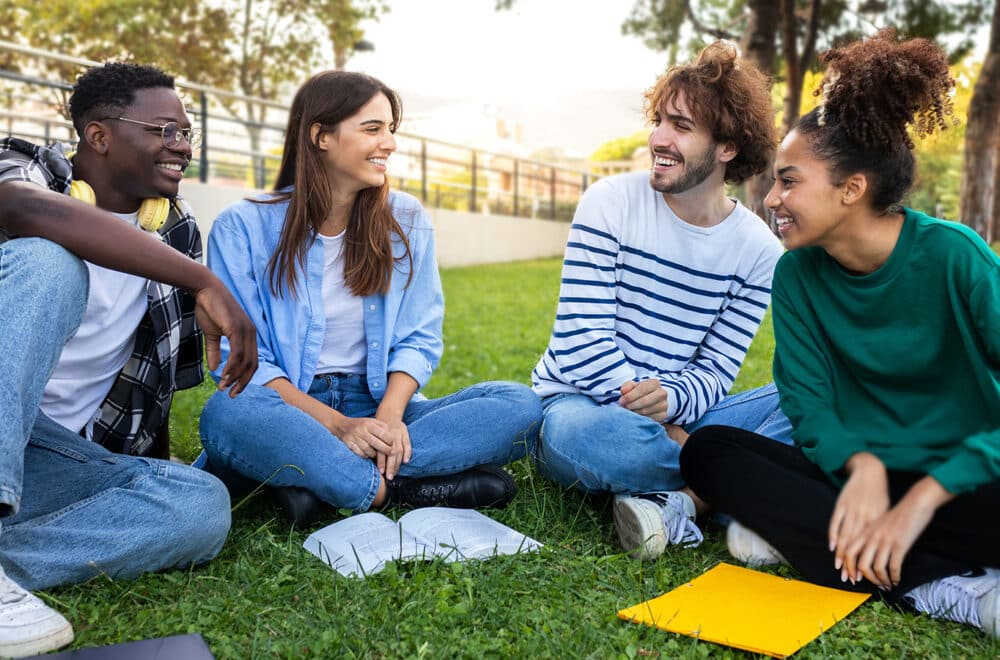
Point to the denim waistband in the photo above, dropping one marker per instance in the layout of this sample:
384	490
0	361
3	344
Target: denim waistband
339	381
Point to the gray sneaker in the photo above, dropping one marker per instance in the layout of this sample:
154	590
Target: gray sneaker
27	625
972	600
648	522
750	548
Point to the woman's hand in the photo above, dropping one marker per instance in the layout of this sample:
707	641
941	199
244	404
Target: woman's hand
365	436
399	437
878	552
864	498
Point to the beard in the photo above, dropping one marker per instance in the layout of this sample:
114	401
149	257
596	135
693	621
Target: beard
695	171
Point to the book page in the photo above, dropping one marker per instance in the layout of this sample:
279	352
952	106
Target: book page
457	534
362	544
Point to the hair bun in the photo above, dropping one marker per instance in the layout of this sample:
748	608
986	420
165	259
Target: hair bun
875	88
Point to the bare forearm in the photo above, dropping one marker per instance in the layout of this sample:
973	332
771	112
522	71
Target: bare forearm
927	494
96	236
398	392
295	397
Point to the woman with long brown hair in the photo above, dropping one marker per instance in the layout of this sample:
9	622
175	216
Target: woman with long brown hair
340	278
887	361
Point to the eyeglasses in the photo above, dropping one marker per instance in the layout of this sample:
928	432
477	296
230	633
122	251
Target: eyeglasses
171	133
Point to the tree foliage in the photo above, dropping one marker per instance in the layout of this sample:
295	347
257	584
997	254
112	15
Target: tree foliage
783	38
620	148
254	47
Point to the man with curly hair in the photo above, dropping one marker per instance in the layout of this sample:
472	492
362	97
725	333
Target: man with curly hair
100	289
664	284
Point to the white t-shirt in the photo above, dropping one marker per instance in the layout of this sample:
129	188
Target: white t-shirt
344	341
93	357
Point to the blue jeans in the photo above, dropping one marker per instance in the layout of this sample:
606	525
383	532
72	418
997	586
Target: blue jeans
257	437
70	509
609	449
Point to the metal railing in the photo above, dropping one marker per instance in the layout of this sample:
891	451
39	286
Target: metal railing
247	152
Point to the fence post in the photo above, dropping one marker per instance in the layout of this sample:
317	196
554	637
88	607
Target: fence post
203	154
423	170
516	177
552	191
472	188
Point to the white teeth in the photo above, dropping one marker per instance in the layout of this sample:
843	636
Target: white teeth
666	162
781	222
171	166
377	161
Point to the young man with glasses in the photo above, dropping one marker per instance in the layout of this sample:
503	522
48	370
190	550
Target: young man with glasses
102	297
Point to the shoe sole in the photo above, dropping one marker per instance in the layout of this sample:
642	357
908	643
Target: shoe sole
633	523
39	645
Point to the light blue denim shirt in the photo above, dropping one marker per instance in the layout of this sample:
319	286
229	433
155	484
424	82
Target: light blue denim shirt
402	327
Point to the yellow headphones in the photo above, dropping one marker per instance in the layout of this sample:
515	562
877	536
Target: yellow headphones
153	213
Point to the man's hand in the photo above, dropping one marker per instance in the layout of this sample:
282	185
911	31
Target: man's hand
218	314
647	397
864	497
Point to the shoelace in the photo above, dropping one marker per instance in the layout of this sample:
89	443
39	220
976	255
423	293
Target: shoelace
680	529
435	493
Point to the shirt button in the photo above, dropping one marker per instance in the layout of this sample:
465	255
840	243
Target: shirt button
374	344
374	383
371	308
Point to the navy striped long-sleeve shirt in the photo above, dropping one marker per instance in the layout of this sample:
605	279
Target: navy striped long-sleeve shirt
645	294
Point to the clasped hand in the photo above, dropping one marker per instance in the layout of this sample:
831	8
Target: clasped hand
386	442
647	397
869	539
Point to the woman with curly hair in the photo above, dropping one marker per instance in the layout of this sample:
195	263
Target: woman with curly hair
887	361
340	278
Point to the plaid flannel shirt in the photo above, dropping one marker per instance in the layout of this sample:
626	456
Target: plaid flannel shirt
167	355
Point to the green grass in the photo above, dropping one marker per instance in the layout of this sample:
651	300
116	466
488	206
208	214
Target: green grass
264	596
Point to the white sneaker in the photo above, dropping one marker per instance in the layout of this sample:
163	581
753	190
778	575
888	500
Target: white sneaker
27	625
747	546
971	600
648	522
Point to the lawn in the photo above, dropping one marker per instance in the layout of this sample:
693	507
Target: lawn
264	596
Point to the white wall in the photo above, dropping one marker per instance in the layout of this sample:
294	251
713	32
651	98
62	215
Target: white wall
463	239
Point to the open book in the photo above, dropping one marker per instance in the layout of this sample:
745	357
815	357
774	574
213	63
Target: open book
362	544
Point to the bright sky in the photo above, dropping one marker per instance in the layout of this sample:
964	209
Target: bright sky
463	48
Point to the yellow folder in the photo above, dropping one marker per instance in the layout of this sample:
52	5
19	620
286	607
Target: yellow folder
747	609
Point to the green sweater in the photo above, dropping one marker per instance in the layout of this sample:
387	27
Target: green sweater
903	362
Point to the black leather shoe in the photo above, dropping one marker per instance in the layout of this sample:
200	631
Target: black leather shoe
479	487
300	506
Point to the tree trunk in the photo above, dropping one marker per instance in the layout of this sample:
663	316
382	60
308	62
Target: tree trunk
796	61
759	47
340	56
980	200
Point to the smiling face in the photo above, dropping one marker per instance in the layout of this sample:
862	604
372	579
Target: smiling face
357	149
684	153
807	206
138	165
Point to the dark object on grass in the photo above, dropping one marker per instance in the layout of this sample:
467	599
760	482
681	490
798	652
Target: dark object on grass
300	506
189	647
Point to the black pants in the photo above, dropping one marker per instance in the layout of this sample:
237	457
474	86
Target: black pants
780	494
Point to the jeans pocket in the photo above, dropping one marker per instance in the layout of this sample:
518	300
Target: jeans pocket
55	448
